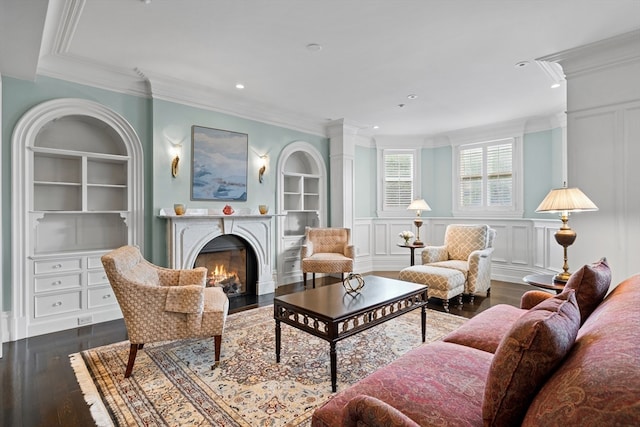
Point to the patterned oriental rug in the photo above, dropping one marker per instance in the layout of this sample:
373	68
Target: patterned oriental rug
173	385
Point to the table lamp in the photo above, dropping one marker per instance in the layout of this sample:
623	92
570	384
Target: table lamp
418	205
564	201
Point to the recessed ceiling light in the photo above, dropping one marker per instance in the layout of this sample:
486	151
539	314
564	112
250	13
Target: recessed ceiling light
521	64
376	127
239	86
412	96
401	105
314	47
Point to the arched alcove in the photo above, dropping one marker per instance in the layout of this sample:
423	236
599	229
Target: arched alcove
77	192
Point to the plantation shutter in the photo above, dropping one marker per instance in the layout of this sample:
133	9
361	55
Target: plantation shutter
499	175
471	177
486	175
398	179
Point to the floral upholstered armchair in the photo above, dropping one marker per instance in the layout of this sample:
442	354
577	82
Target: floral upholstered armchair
467	248
161	304
326	250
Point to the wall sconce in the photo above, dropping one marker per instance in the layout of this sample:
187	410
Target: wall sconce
175	158
263	167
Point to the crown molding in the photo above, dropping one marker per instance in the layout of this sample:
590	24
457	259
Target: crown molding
611	52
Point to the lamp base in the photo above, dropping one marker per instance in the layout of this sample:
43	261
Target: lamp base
562	277
418	243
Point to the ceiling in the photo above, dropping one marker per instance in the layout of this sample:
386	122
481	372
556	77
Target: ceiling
458	57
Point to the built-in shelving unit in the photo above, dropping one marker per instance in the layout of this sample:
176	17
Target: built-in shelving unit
77	195
301	203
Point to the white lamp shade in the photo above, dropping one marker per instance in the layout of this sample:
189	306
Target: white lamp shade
419	205
566	200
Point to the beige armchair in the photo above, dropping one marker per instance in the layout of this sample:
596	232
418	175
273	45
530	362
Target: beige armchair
468	249
161	304
326	250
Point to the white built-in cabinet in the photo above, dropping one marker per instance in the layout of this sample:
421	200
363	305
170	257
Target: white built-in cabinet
77	193
302	195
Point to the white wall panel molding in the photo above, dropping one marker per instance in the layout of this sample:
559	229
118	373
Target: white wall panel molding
522	246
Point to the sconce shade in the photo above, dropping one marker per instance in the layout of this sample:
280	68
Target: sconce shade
566	200
419	205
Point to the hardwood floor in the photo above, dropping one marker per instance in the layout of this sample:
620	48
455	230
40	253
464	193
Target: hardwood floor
38	386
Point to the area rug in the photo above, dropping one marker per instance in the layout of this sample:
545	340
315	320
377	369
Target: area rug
173	384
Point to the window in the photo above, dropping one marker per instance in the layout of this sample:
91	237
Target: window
486	176
398	186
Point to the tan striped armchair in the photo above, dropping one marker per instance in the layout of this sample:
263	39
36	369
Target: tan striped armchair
161	304
326	250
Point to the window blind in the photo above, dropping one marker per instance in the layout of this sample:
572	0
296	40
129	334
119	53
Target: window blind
398	179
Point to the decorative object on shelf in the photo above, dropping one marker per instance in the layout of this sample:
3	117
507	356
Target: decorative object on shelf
179	209
263	168
418	205
227	210
406	235
353	282
564	201
218	164
263	209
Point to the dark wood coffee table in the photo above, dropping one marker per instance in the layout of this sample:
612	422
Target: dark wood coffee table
332	314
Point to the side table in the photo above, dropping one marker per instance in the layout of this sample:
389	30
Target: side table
413	250
544	281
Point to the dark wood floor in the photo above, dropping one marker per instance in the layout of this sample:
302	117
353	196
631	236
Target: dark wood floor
38	386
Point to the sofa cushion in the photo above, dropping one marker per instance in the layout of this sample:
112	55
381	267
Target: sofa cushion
598	383
591	283
527	356
435	384
486	330
370	411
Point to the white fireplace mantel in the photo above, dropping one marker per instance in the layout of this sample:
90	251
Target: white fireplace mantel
187	234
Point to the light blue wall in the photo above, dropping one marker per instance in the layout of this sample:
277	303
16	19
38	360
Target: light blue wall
151	119
18	96
176	120
542	164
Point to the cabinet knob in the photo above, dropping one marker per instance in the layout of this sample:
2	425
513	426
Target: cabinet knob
107	296
57	266
57	282
57	304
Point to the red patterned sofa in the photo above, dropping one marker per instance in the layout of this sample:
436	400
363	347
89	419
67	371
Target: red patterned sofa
566	360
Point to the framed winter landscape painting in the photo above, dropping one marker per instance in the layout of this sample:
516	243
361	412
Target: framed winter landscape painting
218	164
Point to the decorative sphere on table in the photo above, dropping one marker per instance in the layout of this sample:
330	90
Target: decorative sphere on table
353	282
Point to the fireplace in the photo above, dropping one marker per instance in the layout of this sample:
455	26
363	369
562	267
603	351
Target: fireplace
230	264
190	234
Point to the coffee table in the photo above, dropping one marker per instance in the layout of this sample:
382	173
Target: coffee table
332	314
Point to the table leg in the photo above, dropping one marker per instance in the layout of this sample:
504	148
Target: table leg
334	366
424	322
277	341
413	257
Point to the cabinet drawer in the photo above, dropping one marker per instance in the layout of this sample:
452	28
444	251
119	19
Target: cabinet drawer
97	277
291	266
292	253
293	243
49	305
55	283
101	296
56	266
94	262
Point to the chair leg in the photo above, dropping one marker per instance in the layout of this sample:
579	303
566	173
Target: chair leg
217	345
445	305
488	292
133	351
304	279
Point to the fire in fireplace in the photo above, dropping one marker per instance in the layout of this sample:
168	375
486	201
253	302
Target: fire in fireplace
230	264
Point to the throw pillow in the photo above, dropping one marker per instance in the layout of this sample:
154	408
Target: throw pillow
527	356
591	283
